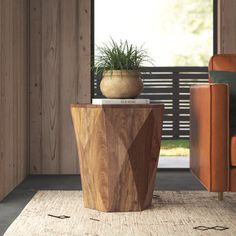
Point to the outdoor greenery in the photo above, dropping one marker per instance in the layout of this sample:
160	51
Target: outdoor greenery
176	32
119	56
195	31
179	147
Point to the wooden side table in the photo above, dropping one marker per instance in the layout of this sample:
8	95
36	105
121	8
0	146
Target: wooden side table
118	148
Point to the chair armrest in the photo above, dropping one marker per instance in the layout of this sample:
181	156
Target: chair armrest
209	135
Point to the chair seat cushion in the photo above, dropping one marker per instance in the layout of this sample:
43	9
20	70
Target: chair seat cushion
233	150
229	78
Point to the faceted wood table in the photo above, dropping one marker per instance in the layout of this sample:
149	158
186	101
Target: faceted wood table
118	148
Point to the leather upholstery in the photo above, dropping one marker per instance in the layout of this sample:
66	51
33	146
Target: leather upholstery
232	182
200	162
224	62
208	135
212	144
233	151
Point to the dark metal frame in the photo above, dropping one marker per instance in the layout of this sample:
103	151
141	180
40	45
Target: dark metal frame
215	26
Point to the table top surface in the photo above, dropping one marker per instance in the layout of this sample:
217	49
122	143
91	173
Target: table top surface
87	105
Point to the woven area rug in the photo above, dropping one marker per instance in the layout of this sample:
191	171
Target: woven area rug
172	213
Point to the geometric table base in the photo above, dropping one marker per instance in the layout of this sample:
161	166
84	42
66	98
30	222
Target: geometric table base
118	147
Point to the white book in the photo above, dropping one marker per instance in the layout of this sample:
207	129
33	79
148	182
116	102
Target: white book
102	101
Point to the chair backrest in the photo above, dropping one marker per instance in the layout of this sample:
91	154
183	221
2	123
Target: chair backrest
223	62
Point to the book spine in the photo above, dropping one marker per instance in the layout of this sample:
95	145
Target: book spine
106	102
132	102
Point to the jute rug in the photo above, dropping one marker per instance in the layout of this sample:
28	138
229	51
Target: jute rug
172	213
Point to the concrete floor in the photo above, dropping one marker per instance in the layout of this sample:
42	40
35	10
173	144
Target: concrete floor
12	205
173	162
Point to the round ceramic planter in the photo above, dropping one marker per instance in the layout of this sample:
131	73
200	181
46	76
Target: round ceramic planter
121	84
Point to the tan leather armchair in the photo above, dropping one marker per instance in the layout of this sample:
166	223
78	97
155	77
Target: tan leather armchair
212	142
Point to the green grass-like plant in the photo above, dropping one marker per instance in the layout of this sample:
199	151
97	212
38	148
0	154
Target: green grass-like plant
178	147
119	56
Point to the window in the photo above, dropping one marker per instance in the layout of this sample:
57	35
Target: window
178	35
175	32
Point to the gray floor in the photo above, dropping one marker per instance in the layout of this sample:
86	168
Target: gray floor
173	162
13	204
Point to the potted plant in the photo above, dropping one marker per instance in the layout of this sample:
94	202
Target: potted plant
119	64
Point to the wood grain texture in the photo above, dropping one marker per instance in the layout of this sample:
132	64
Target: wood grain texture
35	86
84	60
60	75
68	84
118	151
13	94
50	85
226	26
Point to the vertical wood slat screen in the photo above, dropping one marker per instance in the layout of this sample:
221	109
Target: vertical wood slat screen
169	85
226	26
13	94
59	75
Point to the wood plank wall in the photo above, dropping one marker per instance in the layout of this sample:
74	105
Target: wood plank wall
13	94
226	26
59	76
59	69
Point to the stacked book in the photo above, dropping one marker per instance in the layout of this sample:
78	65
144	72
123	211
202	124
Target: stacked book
103	101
